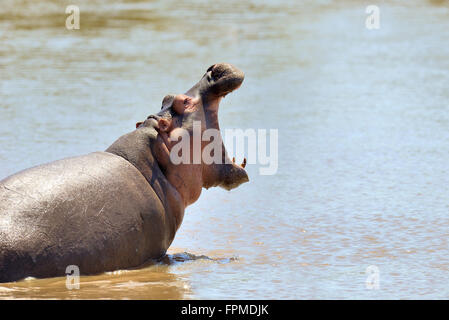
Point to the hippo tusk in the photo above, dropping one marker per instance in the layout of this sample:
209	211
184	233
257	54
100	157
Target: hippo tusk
243	165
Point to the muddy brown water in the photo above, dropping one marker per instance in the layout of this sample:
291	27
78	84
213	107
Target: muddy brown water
363	138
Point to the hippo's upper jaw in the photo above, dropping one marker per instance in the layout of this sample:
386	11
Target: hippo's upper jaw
223	78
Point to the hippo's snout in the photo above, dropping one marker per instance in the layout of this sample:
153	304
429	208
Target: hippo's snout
224	78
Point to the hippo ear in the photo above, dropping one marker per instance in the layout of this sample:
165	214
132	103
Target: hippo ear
138	124
167	101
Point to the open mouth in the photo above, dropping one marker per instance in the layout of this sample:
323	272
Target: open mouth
222	79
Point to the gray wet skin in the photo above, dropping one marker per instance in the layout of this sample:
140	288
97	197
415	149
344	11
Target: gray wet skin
119	208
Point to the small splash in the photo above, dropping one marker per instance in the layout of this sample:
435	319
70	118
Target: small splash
171	259
117	272
29	278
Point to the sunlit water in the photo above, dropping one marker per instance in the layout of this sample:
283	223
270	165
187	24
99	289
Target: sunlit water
363	138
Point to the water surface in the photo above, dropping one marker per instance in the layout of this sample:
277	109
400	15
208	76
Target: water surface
363	138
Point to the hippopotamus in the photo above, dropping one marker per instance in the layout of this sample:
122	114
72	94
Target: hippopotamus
119	208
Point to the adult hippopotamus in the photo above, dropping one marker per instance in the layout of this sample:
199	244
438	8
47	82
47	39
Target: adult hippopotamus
119	208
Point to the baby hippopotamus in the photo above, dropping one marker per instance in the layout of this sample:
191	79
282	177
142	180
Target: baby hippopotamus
119	208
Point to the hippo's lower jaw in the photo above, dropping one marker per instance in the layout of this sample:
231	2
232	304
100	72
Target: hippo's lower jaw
231	176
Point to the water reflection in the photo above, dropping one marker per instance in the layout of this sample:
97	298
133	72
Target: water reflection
157	280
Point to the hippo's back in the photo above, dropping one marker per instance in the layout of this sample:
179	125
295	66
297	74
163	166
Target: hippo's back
95	211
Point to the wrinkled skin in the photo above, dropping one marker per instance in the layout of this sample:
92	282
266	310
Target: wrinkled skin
119	208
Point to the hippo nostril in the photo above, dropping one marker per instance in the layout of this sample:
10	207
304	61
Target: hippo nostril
223	70
224	78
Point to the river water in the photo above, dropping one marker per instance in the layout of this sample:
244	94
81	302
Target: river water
362	179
